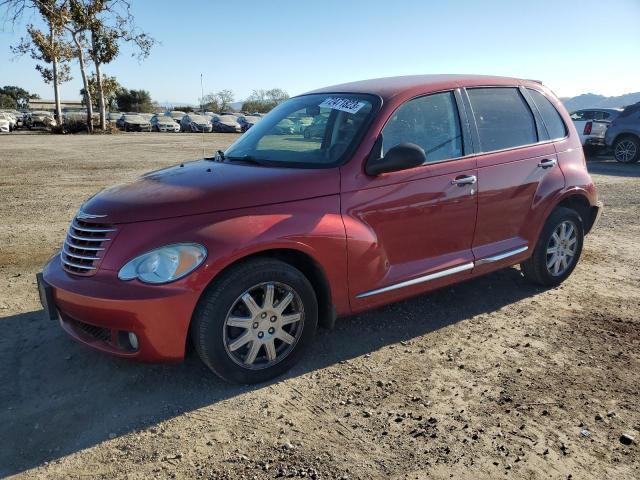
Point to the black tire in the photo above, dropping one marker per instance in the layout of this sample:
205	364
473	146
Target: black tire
208	329
624	147
535	268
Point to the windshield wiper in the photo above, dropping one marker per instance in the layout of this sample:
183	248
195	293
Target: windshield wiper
246	159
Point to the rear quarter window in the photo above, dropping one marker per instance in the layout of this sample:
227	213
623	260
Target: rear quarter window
503	118
550	116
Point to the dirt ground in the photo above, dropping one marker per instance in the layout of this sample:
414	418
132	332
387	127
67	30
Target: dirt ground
493	378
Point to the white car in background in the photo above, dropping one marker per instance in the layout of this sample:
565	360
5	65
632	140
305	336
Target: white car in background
10	118
5	126
592	124
164	123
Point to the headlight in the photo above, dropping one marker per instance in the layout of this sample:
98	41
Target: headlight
165	264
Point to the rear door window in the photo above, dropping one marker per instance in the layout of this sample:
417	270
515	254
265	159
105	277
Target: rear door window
550	116
503	118
432	122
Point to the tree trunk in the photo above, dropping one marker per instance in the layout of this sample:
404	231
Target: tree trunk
85	82
56	82
99	89
100	93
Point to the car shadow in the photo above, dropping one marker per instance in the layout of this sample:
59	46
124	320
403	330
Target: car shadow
608	166
59	397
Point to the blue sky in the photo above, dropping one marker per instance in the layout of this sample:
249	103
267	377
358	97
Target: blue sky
573	46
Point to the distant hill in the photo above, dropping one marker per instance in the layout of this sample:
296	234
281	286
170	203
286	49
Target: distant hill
591	100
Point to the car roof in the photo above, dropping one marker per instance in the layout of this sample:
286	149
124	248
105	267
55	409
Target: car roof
392	86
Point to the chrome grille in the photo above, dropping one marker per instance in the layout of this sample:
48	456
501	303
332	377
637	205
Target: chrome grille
85	245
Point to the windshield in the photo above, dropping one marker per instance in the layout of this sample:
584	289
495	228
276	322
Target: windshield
308	131
198	119
133	118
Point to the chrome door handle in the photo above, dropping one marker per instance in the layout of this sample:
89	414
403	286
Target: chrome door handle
464	180
548	163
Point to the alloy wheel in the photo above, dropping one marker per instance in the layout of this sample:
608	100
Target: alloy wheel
562	247
263	325
625	151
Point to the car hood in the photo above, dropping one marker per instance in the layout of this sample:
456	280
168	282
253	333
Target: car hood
205	186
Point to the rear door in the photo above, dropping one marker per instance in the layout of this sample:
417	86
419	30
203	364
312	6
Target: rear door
517	168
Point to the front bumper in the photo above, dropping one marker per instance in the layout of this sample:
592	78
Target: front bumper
100	311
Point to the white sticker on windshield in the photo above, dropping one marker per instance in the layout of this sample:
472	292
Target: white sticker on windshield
344	104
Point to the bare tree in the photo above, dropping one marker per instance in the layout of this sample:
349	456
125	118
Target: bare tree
50	48
108	23
224	97
95	28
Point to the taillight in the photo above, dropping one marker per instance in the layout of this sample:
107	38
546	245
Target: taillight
587	128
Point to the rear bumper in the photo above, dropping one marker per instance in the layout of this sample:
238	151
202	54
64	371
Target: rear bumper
594	142
100	311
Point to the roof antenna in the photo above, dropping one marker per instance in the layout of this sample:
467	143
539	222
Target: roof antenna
202	112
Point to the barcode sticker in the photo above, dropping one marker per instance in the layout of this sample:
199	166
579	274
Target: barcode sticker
344	104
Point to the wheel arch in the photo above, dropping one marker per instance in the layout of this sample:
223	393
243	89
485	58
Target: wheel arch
304	262
624	134
580	203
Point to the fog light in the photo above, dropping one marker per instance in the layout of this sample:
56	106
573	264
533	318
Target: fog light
133	340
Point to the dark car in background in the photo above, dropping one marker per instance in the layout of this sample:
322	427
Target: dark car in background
226	124
193	122
247	121
135	123
623	135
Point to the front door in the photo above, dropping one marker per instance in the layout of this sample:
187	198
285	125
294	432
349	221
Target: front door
412	230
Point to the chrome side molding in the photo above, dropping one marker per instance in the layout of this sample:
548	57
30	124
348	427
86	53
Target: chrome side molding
502	256
415	281
444	273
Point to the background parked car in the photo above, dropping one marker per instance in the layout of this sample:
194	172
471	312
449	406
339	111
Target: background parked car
623	135
317	127
247	121
164	123
226	124
176	115
284	127
301	123
135	123
40	118
4	125
9	118
195	123
592	124
112	117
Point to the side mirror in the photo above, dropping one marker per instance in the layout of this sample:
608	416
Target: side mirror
401	157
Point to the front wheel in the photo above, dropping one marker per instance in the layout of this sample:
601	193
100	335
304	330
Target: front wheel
626	150
255	321
558	249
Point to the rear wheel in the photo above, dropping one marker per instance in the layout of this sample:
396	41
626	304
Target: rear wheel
558	249
626	150
255	321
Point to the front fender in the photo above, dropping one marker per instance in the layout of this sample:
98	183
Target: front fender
313	227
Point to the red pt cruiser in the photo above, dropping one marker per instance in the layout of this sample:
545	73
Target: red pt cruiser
337	201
